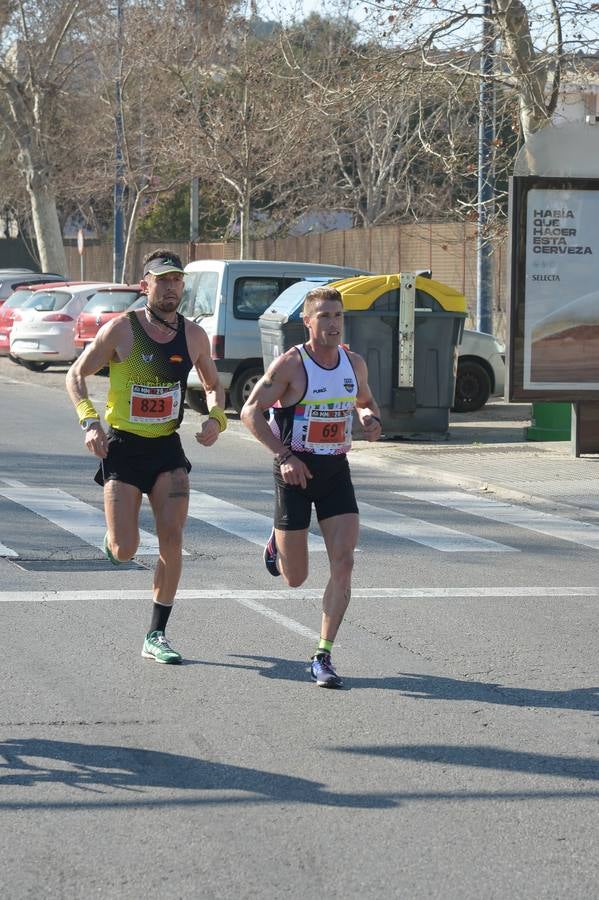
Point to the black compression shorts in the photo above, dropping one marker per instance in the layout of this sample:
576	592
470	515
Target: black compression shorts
140	460
330	490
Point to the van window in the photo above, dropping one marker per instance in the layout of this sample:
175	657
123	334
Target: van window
199	295
253	296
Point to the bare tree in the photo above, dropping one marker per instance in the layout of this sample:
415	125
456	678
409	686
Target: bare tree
398	142
248	130
536	39
38	61
401	98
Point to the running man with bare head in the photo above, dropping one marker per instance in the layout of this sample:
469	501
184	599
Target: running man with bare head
312	391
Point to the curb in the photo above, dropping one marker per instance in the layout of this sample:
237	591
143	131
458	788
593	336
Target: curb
472	483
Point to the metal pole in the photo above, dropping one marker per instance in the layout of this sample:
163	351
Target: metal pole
118	240
486	187
194	188
194	210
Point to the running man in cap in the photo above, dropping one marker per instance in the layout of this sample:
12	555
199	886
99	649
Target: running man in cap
312	391
150	352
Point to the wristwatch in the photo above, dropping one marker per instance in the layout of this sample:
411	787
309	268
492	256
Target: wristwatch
87	423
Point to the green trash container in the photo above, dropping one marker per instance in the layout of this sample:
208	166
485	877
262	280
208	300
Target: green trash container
550	422
411	358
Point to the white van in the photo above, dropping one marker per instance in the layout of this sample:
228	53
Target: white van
227	297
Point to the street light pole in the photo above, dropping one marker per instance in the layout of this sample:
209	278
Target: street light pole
194	188
486	187
118	242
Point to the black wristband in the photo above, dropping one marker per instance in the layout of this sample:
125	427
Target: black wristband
372	416
284	457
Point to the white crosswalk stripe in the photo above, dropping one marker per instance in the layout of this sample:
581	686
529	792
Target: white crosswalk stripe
297	595
7	551
86	522
243	523
510	514
447	540
70	514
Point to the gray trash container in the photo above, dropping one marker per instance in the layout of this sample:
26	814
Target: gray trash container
407	328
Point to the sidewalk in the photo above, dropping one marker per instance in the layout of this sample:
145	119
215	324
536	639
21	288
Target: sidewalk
488	451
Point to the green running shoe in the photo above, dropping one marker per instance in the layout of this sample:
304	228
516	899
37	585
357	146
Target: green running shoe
157	647
108	554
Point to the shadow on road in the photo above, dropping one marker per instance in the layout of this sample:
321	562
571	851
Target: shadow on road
98	771
430	687
95	767
583	768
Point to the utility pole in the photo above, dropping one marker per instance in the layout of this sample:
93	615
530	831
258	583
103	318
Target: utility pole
486	179
194	188
118	242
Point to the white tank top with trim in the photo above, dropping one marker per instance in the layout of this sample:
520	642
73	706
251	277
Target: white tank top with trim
321	422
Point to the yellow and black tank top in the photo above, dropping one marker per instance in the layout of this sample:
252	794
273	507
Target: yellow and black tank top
147	390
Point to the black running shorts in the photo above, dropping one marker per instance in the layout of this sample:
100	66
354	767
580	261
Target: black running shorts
140	460
330	490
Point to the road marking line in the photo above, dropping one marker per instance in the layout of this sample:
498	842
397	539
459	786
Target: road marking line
243	523
246	598
448	540
508	513
72	515
277	617
299	594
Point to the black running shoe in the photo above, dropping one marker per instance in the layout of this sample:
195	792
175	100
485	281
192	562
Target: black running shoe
323	673
270	555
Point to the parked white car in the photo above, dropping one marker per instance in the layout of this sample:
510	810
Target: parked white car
43	329
481	371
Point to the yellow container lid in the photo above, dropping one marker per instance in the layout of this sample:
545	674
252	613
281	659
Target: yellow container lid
360	292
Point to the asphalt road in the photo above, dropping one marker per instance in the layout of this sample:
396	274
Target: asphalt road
460	761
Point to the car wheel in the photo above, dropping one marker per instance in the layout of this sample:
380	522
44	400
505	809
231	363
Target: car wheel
243	386
34	366
196	400
472	387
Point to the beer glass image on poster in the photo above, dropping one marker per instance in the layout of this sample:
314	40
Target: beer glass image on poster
561	311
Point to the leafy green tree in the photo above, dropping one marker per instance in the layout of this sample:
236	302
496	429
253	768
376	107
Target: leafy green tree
167	218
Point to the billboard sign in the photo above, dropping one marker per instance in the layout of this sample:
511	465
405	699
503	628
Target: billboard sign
554	310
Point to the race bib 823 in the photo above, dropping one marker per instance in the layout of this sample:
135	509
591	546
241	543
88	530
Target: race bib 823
154	405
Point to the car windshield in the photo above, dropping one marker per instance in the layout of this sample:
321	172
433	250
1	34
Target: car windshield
44	301
110	301
199	296
18	298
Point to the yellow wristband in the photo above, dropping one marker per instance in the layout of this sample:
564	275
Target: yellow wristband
219	416
85	410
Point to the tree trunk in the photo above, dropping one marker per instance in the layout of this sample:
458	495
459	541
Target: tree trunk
244	226
528	71
126	275
46	223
